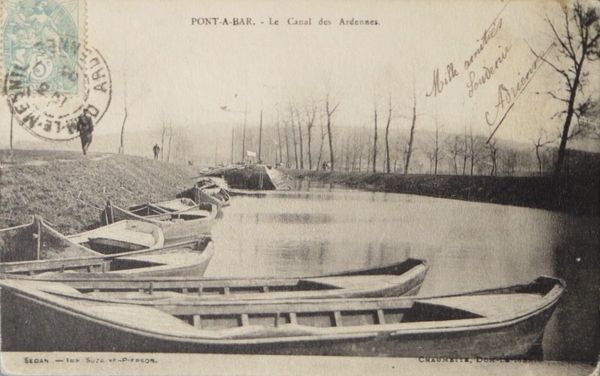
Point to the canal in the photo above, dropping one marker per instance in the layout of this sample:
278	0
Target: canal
468	246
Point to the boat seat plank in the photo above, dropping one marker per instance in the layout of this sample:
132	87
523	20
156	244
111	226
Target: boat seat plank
197	321
121	235
245	321
176	205
337	318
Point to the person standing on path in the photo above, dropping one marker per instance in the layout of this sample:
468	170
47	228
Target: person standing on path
85	127
156	150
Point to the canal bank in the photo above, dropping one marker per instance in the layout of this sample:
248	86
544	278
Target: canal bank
68	189
571	194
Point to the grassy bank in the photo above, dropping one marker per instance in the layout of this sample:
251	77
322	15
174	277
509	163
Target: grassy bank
573	194
63	186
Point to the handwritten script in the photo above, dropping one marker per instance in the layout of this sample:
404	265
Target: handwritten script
441	82
508	95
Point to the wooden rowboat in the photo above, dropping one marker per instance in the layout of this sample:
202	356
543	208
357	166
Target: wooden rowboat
120	237
497	323
206	190
403	278
124	248
179	219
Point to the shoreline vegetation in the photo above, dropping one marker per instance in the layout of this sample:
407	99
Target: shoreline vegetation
577	194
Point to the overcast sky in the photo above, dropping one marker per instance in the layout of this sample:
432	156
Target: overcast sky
183	73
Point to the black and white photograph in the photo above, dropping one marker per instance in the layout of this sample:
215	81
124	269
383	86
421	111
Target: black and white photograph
261	187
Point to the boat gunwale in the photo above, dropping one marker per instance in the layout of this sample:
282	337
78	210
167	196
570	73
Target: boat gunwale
308	301
410	282
164	224
467	325
419	264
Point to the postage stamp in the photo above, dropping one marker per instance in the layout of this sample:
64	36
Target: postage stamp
46	37
50	74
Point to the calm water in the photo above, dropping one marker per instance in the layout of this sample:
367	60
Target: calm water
468	245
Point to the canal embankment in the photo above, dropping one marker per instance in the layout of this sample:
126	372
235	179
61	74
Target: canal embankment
67	188
573	194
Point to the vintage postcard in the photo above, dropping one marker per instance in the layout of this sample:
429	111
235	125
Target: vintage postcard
299	187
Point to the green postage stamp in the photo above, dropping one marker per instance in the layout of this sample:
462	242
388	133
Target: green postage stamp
50	73
44	39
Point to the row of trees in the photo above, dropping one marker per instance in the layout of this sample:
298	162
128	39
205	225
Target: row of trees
578	45
305	134
432	149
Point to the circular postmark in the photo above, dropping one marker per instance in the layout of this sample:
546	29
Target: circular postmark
46	109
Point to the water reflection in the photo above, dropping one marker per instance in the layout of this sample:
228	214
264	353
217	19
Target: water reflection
468	245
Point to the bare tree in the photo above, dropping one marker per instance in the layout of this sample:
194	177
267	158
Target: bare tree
510	160
279	146
387	136
171	135
330	109
355	149
465	151
453	146
162	140
361	147
300	141
311	114
294	136
346	153
369	154
323	134
475	150
538	144
244	133
493	149
287	145
434	153
578	42
409	147
260	136
375	138
121	146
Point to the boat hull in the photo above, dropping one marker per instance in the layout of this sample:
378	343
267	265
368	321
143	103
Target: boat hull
192	269
401	279
131	248
174	232
55	328
186	230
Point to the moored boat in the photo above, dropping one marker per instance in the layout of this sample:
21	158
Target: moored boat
180	219
125	247
403	278
495	323
206	190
